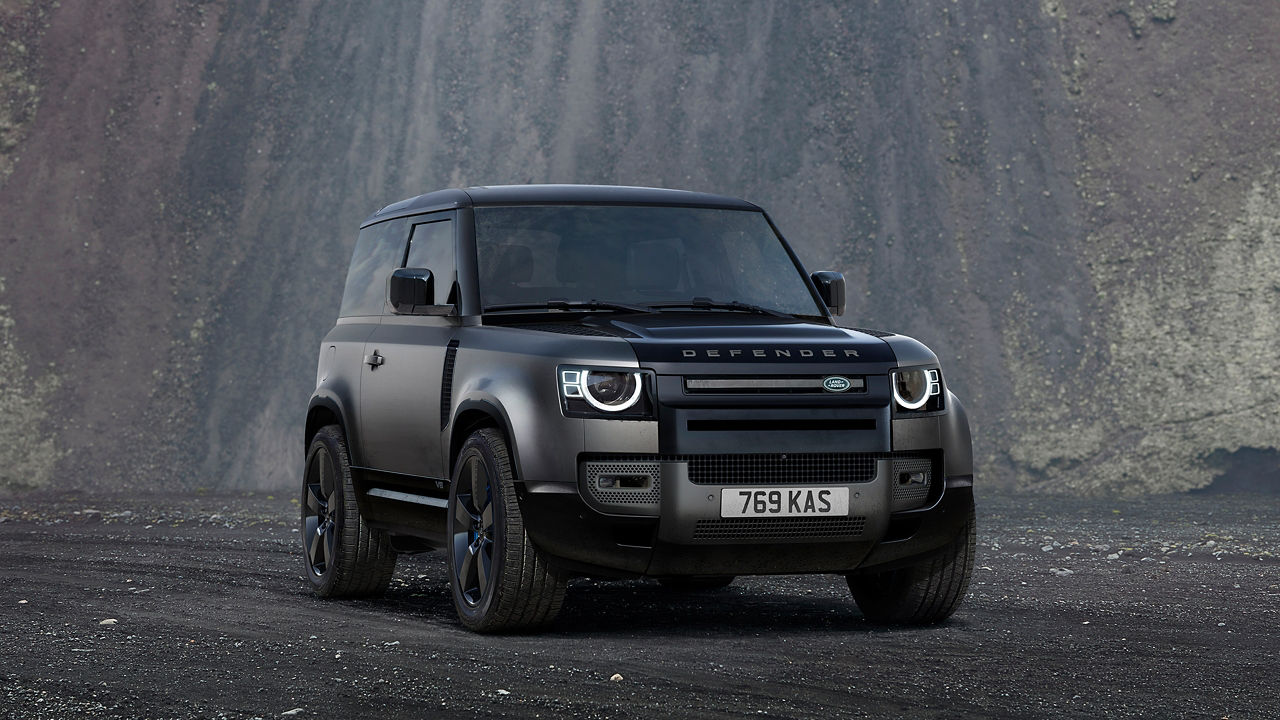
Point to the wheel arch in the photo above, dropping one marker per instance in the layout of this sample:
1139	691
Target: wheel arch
328	409
472	415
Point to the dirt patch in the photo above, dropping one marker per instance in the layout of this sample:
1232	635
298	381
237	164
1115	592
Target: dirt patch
1159	607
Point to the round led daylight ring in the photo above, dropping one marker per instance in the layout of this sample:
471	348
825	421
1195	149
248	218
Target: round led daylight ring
898	398
586	393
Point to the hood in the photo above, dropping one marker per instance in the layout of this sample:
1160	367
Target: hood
730	338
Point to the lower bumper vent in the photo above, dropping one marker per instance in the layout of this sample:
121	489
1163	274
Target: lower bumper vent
626	487
778	528
762	469
912	480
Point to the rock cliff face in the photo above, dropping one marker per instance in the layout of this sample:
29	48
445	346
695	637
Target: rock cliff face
1075	202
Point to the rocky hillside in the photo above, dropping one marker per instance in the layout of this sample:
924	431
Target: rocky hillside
1075	202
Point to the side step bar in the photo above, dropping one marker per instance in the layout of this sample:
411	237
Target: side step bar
409	497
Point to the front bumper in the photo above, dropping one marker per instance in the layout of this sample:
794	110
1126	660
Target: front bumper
580	539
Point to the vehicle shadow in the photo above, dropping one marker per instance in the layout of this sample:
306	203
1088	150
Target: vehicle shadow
644	608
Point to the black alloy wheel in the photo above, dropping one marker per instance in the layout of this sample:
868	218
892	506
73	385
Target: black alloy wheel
344	557
474	533
500	582
320	521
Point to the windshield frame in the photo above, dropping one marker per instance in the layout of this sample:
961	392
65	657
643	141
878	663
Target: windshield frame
473	294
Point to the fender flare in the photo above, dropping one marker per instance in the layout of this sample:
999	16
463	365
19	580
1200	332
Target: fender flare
957	439
493	408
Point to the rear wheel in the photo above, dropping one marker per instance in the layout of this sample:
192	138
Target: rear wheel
344	557
500	581
920	594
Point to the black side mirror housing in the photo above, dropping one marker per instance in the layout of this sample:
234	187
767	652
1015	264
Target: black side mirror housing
830	286
411	291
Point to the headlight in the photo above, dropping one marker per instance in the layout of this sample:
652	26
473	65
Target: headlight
592	392
913	387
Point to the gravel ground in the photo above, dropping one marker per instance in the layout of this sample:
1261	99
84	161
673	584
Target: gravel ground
195	607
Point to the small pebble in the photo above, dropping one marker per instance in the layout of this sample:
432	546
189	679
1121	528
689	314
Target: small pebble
109	621
615	678
295	711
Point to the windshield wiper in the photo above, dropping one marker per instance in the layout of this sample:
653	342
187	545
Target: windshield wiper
702	302
571	305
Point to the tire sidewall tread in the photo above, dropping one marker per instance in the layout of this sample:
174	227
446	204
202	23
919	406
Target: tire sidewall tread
364	561
525	593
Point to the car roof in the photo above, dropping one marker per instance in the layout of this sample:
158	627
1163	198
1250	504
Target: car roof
554	195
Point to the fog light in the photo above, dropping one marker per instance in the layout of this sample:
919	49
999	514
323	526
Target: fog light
630	482
911	478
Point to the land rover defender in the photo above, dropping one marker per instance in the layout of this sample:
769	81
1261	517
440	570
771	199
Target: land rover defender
554	381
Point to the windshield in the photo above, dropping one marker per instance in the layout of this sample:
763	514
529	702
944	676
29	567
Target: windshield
649	256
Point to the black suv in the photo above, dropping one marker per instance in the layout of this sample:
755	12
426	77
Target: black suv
559	380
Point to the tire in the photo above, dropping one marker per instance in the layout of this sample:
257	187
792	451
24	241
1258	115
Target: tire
922	594
500	581
342	555
704	583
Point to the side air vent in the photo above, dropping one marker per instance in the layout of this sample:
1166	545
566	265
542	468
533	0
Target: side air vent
446	383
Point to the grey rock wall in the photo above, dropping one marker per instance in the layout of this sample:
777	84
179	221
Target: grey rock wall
1075	203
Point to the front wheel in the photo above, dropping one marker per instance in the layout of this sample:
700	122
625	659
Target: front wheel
500	582
921	594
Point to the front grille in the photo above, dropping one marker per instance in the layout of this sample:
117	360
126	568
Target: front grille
769	384
779	528
778	468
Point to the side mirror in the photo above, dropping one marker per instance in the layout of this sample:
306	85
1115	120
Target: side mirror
411	291
830	286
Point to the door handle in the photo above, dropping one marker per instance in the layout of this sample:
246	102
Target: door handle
375	360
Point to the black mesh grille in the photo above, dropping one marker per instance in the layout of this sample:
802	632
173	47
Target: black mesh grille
624	496
912	495
790	468
873	333
778	528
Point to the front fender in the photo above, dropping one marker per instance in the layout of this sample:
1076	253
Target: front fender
957	439
544	444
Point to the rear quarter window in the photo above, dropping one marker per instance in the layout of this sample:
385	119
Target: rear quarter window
379	250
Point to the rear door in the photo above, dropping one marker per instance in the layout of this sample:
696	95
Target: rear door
401	379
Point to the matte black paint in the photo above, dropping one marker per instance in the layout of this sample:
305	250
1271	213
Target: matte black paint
404	425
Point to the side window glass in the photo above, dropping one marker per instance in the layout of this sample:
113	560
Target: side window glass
431	247
378	252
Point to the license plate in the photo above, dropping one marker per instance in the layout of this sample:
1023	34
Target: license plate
783	502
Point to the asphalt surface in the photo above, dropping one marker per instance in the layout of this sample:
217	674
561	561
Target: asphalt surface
1160	607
